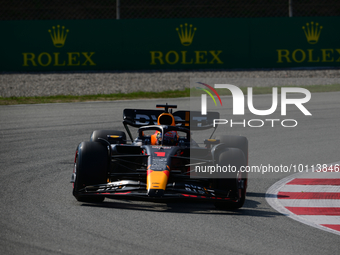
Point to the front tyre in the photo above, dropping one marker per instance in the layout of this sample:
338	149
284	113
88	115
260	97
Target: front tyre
91	167
236	183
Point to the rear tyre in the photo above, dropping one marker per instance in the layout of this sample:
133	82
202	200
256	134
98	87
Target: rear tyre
91	167
235	183
112	136
234	141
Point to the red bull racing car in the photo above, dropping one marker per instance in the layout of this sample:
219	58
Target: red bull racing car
162	162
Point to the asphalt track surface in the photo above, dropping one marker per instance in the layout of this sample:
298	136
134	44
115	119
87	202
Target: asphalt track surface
39	215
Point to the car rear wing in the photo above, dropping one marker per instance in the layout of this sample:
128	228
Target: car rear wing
193	120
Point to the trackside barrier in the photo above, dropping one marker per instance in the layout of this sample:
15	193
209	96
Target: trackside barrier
216	43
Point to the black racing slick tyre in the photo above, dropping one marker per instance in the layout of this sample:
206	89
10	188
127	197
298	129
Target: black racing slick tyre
111	136
234	141
240	142
235	183
91	168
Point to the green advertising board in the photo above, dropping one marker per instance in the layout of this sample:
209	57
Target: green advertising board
150	44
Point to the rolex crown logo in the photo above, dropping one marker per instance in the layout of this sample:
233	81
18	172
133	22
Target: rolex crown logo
186	35
58	36
312	32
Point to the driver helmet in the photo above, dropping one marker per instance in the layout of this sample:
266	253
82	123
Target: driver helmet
170	138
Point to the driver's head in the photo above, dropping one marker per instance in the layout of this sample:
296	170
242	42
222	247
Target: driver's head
170	138
156	138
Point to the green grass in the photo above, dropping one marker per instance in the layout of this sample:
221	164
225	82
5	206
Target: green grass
99	97
145	95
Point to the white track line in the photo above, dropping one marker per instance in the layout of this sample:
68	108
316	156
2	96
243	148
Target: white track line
327	175
322	219
277	204
310	188
310	202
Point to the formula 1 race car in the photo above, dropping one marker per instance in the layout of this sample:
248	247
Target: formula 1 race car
161	162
